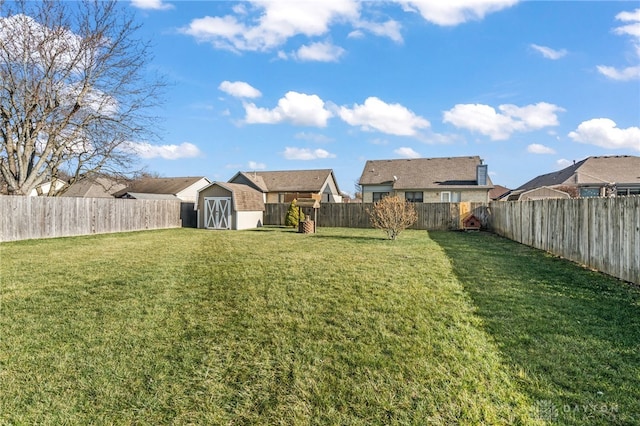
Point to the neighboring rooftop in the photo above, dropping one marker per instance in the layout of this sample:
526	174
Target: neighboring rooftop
417	173
172	185
619	169
100	187
289	180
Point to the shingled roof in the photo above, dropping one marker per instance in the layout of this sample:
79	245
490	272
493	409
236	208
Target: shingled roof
619	169
244	197
171	185
99	187
289	180
424	173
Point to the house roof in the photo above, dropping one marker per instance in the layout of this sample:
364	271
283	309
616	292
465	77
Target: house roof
498	192
290	180
424	173
171	185
619	169
99	187
148	196
244	197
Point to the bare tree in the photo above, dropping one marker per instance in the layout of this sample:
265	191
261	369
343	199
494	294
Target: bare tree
74	90
393	215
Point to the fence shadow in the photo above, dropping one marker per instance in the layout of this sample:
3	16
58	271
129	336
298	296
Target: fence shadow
565	329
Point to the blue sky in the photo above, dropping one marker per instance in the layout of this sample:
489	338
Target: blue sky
529	86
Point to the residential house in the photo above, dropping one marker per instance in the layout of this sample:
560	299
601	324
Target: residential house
184	189
427	180
45	189
287	185
604	176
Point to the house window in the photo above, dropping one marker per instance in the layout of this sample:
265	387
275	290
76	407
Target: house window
377	196
589	192
414	196
450	197
623	192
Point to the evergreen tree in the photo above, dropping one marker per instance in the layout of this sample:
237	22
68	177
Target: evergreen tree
292	218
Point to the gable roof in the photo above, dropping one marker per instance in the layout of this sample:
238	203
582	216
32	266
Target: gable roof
424	173
289	180
244	197
99	187
171	185
592	170
498	192
148	196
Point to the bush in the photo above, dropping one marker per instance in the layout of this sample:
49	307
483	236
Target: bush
392	215
292	218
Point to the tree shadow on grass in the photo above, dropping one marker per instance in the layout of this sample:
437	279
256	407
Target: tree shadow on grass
571	335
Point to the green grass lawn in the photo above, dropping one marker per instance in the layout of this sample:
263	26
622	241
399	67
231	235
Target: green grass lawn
188	326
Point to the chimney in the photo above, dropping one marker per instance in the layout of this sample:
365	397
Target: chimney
481	173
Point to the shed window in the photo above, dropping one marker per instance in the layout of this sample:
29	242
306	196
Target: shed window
377	196
414	196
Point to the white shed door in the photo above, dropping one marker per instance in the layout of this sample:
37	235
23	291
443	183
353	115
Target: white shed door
217	212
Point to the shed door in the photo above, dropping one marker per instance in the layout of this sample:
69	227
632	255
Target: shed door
217	212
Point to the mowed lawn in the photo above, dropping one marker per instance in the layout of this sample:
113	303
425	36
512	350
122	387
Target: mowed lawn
188	326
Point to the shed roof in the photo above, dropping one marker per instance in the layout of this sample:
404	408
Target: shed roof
290	180
619	169
171	185
244	197
427	173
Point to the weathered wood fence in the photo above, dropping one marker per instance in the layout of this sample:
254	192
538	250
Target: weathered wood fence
24	218
602	233
431	216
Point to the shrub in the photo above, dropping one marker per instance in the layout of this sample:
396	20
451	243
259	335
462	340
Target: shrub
392	215
294	216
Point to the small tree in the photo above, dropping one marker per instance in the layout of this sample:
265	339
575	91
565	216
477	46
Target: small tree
293	218
392	215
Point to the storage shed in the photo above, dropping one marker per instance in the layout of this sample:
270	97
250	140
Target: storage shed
223	205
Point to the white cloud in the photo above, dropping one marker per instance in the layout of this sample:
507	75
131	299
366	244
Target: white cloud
319	52
536	148
633	30
239	89
277	22
297	108
603	132
254	165
292	153
390	29
563	163
548	52
501	125
375	114
406	152
168	152
624	74
151	4
447	13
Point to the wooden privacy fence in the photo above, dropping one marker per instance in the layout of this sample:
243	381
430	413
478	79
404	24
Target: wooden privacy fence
431	216
602	233
23	218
